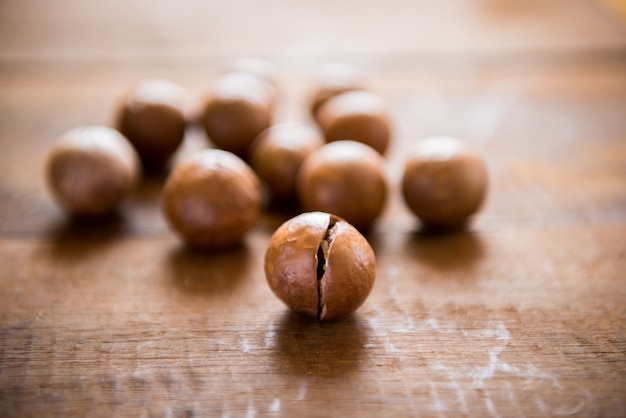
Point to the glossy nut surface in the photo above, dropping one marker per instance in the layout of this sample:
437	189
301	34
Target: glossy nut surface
320	265
360	116
212	199
345	178
90	169
152	117
238	110
444	181
277	154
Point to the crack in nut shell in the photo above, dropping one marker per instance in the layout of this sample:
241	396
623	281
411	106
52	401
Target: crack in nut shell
291	266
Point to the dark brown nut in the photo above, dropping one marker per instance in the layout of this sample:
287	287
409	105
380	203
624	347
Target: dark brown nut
332	79
212	199
239	109
320	265
360	116
90	169
444	181
152	117
277	154
345	178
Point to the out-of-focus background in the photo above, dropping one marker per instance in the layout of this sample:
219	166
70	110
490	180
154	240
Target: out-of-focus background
521	315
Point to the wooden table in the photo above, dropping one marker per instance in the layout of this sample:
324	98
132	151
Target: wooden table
522	315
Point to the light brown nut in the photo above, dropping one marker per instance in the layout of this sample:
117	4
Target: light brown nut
212	199
238	110
345	178
444	181
152	117
277	154
320	265
360	116
90	169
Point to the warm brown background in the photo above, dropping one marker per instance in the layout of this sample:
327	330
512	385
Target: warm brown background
524	315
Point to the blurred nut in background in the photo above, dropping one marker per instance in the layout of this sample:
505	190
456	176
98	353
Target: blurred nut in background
255	66
212	199
90	169
345	178
331	79
320	265
277	154
360	116
444	181
238	110
152	117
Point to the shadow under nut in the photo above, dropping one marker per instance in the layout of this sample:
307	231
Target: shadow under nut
320	265
212	199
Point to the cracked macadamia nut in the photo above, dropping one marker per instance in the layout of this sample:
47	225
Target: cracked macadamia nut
239	109
331	79
152	117
277	154
345	178
360	116
320	265
90	169
212	199
444	181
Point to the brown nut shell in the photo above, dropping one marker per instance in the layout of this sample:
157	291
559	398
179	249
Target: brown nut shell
444	181
90	169
320	265
152	117
332	79
360	116
277	154
345	178
212	199
239	109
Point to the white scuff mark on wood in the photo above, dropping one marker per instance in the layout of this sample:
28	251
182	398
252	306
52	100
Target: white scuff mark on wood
302	390
437	405
490	406
541	405
270	336
275	406
513	399
246	347
251	411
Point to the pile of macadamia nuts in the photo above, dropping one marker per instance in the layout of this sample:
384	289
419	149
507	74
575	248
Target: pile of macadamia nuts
332	166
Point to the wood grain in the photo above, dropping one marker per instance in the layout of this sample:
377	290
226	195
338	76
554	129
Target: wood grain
521	315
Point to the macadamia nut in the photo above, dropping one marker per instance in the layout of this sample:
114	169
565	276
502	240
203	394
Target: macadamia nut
238	110
152	117
320	265
360	116
212	199
444	181
345	178
277	154
90	169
